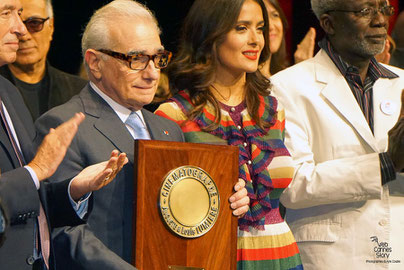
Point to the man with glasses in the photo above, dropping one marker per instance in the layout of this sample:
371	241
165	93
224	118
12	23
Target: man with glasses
41	85
345	204
123	56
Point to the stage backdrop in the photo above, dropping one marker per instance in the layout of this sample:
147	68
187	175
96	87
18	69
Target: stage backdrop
71	17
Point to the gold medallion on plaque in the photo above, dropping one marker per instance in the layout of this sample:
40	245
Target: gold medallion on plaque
189	201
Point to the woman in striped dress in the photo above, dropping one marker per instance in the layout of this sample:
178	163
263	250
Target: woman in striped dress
223	98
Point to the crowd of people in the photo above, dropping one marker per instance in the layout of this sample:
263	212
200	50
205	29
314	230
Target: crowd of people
323	137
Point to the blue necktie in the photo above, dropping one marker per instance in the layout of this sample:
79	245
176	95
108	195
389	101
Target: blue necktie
138	127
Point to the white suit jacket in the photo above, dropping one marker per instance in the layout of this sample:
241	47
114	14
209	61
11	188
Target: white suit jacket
341	215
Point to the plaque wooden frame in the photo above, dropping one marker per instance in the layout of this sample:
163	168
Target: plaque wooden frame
156	246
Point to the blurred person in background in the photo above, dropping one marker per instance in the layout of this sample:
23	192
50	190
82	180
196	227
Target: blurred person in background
277	28
41	85
397	58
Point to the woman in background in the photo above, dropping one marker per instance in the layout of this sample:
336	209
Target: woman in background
277	28
224	99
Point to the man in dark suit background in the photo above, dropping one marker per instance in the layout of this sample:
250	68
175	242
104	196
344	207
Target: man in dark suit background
123	55
41	85
30	203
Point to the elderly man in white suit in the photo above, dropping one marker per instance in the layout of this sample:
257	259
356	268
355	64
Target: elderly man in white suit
346	202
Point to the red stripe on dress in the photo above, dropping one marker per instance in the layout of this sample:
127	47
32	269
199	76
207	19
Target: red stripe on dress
279	125
281	182
261	108
211	117
163	114
256	153
190	127
249	123
267	253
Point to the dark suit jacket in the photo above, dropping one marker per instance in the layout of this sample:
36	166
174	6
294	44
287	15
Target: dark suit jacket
62	85
18	193
101	132
3	224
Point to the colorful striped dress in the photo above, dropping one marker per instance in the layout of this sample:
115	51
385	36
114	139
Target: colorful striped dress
264	239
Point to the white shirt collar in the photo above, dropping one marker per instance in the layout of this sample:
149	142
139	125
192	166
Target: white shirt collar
122	112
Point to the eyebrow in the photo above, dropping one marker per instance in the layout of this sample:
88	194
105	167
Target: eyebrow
249	22
160	50
7	7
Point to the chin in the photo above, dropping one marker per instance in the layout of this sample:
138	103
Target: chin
9	59
251	69
26	60
146	100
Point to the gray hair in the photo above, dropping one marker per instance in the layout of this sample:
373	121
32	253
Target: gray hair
320	7
49	8
96	35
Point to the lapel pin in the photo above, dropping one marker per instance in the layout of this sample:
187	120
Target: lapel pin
388	107
166	132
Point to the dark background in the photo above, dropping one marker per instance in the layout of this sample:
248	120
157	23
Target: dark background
71	17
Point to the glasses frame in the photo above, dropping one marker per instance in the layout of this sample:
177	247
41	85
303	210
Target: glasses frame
40	20
128	58
372	11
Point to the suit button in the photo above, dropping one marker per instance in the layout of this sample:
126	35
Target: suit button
383	222
30	260
24	216
19	216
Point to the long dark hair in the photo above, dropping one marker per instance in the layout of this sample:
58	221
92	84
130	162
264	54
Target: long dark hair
279	59
193	69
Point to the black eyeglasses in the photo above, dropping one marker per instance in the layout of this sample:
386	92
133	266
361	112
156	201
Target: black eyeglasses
35	24
140	61
369	12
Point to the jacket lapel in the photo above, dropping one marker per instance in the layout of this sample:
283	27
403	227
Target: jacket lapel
108	123
22	123
340	96
5	142
156	133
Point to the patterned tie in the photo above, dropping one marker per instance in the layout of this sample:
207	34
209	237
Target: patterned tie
138	127
43	236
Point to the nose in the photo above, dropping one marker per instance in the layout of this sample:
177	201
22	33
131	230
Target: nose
18	27
271	26
253	37
151	72
379	18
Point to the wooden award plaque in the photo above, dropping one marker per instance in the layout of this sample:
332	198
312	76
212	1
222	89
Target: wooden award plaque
178	185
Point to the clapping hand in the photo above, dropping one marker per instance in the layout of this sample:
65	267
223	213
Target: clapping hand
305	49
54	146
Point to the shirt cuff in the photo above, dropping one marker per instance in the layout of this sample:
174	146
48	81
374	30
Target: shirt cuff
33	176
81	207
387	168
